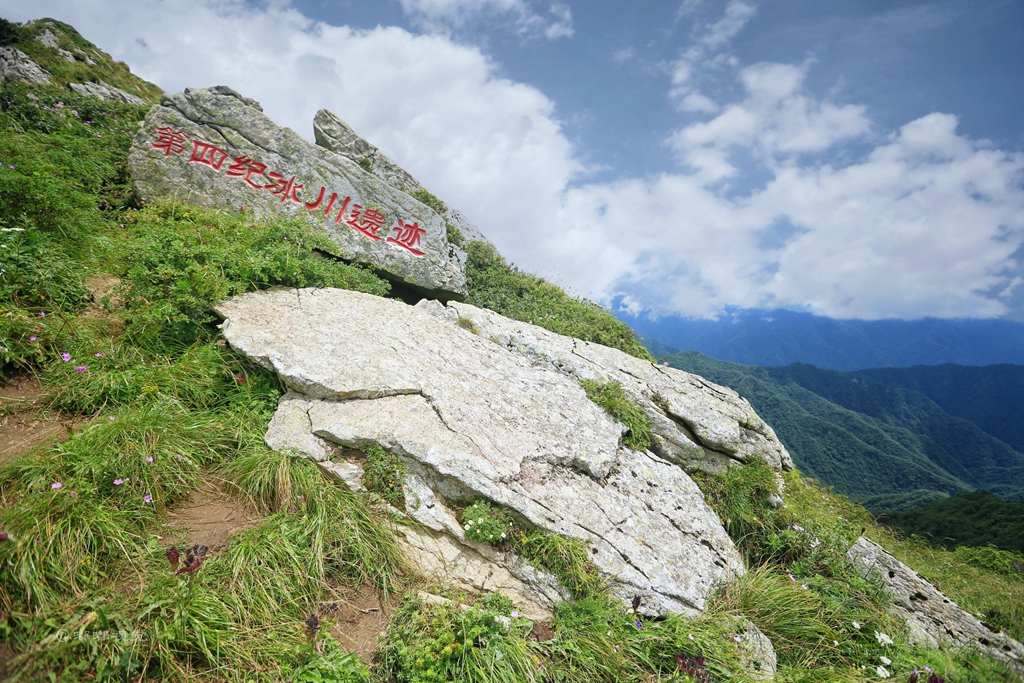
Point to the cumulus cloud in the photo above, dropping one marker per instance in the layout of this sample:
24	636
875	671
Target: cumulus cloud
922	221
775	119
446	15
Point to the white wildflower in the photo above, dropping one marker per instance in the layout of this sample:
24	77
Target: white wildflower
885	660
882	638
882	672
856	625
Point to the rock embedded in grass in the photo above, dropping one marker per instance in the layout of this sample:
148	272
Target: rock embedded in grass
473	419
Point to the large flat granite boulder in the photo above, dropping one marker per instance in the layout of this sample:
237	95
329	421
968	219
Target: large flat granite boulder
215	147
472	419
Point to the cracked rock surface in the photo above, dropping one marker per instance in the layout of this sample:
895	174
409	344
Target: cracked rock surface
931	617
472	419
330	132
237	127
16	66
696	424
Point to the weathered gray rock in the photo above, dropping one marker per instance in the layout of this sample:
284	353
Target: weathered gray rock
17	66
330	132
696	424
216	147
106	92
49	38
471	419
931	617
756	651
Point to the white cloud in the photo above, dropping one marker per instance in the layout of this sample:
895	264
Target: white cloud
774	120
445	15
708	52
721	33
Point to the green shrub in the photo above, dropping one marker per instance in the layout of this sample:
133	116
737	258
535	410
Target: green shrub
181	259
440	643
992	558
384	474
485	523
611	397
495	285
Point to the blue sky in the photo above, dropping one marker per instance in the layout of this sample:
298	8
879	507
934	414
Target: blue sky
856	159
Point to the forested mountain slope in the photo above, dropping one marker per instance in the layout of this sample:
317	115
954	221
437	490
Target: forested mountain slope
888	447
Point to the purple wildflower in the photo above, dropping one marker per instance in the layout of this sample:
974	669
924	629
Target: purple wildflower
65	356
56	485
118	481
149	458
81	368
147	498
33	338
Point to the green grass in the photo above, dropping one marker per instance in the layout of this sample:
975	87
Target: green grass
521	296
611	397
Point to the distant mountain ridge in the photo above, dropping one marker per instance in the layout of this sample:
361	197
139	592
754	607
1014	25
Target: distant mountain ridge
889	447
780	337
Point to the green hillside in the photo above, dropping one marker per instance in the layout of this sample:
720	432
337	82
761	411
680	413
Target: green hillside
977	518
990	396
889	448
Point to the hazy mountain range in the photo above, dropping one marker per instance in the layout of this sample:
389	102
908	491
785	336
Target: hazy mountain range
780	337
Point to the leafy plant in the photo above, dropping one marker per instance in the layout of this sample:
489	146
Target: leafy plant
485	523
437	643
384	474
611	397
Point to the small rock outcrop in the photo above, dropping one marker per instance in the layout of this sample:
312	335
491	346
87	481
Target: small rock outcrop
931	617
215	147
106	92
17	66
471	419
330	132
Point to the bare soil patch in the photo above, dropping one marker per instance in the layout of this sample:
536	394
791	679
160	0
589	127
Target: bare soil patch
210	516
24	422
101	286
362	618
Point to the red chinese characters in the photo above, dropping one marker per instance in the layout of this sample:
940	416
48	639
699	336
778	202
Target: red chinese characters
368	223
408	237
207	154
314	205
169	140
244	167
287	189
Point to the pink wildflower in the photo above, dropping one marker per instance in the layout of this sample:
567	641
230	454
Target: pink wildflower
56	485
65	356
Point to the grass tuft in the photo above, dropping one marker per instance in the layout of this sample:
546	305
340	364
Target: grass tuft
611	397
